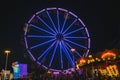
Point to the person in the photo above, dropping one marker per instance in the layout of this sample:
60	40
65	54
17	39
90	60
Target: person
2	74
16	70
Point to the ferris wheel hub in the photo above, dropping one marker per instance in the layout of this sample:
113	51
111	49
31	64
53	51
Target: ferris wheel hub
52	35
59	36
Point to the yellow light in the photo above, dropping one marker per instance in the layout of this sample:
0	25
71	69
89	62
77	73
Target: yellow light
114	57
7	51
93	60
48	71
109	71
109	58
77	66
96	58
99	60
116	69
103	59
112	71
90	56
88	61
82	61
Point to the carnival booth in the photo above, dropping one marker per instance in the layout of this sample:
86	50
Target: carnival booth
19	70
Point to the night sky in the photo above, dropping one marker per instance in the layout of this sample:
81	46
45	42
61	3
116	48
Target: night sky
102	18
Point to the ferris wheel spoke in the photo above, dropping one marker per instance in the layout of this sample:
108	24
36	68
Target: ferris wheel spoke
68	48
46	51
38	36
86	53
56	35
64	22
51	21
31	55
70	26
75	50
70	37
61	59
67	55
46	24
53	54
41	29
74	31
42	44
76	44
58	19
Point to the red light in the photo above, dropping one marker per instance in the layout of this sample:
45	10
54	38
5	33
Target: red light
108	54
82	61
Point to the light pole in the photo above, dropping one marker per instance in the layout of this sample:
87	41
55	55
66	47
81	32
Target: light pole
91	60
73	51
7	52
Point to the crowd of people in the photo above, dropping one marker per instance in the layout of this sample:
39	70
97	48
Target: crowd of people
73	76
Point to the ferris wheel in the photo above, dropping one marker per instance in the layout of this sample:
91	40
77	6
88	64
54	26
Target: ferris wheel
55	38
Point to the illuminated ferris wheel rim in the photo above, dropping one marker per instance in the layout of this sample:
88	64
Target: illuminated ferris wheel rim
54	8
49	9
